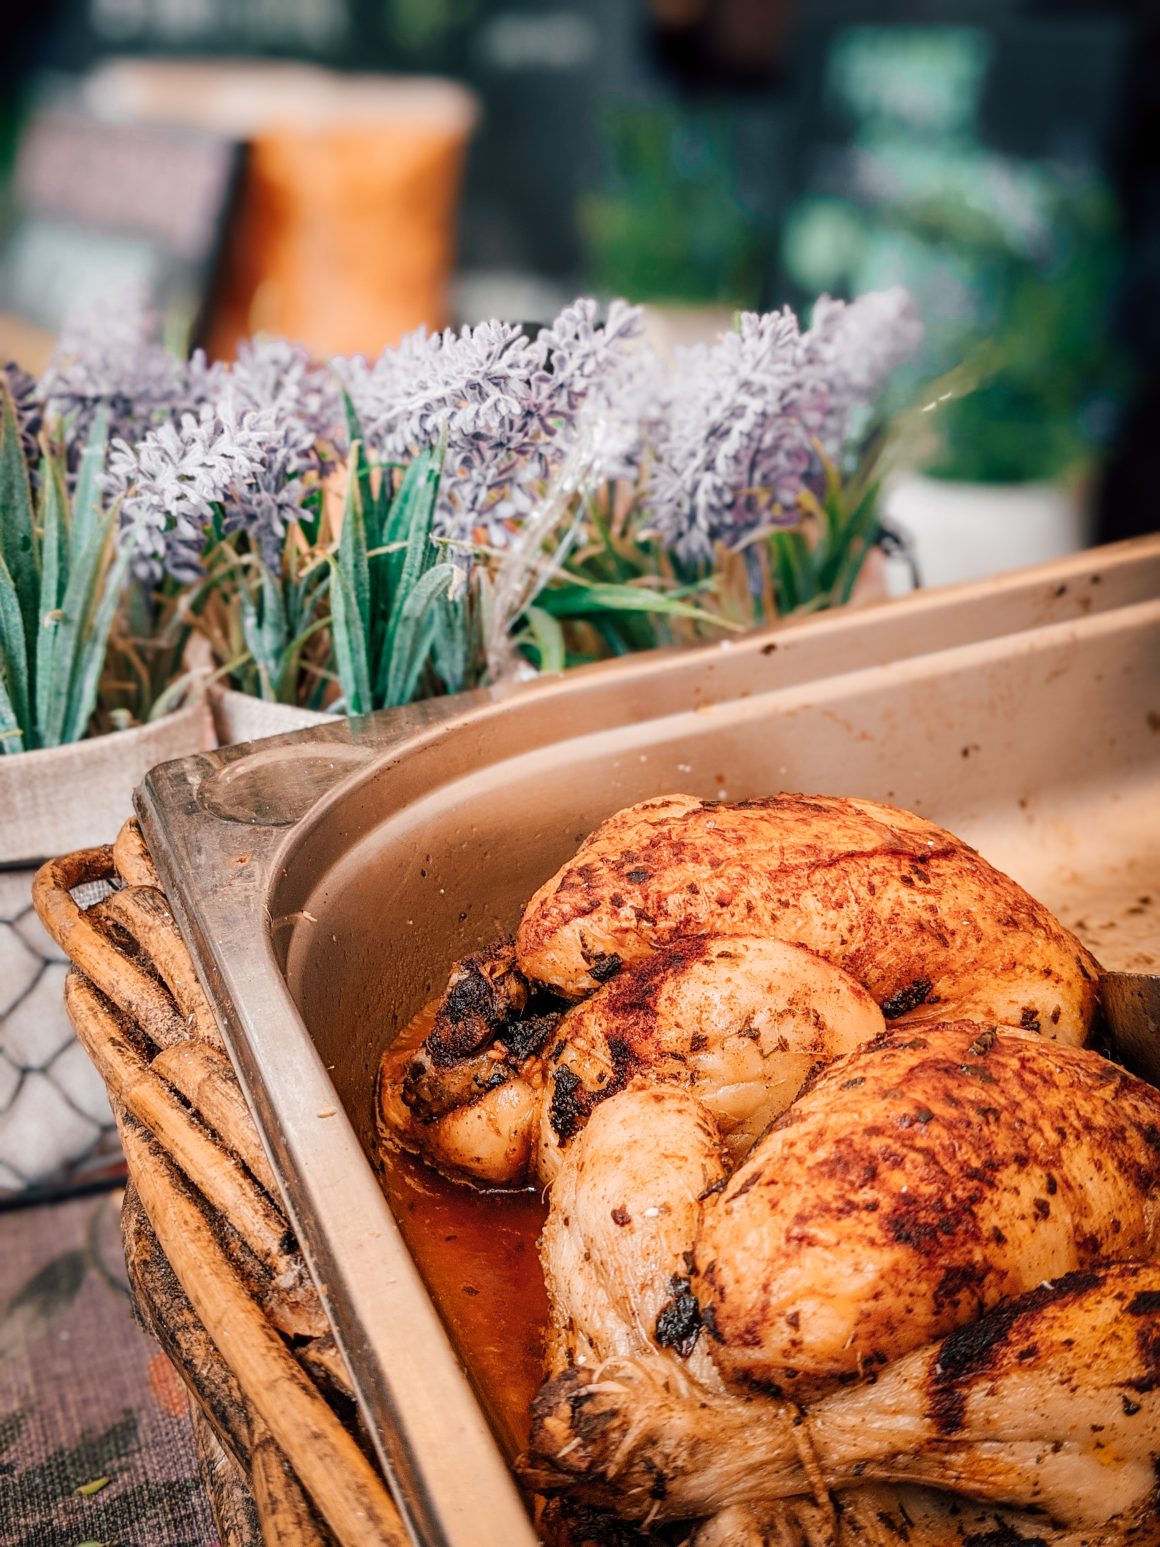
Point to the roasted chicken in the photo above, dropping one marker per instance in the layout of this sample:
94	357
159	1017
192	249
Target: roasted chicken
694	925
847	1229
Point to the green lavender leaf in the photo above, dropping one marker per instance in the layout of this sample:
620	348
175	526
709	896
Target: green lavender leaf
14	653
18	548
575	601
74	639
94	642
548	638
352	552
450	646
350	645
11	734
54	558
86	511
414	632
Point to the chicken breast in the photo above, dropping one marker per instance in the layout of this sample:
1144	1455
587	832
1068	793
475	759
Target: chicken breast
906	909
918	1182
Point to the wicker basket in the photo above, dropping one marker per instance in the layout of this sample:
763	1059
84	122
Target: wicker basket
216	1270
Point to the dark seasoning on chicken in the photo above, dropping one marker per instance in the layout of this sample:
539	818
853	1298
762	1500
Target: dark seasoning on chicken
850	1238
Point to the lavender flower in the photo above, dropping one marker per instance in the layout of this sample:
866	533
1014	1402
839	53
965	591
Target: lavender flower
304	397
27	406
266	504
852	350
509	407
169	483
735	432
108	355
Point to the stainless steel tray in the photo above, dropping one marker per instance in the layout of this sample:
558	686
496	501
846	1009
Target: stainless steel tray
326	879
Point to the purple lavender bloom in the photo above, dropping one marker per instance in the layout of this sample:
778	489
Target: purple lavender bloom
303	396
511	409
265	505
170	482
736	430
109	356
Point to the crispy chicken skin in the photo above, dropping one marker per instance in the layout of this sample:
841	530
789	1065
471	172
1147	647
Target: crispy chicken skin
909	911
1051	1402
918	1182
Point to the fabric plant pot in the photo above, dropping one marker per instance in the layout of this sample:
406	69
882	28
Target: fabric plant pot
242	717
55	1122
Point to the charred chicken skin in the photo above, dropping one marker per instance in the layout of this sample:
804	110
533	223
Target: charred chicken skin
846	1226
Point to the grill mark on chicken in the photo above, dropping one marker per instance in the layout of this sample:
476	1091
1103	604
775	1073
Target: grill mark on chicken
907	998
678	1323
971	1351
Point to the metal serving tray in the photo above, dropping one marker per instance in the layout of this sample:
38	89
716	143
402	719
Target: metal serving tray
326	879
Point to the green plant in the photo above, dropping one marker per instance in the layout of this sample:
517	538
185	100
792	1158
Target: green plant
61	581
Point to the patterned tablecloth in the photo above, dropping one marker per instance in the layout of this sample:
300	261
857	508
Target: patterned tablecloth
95	1439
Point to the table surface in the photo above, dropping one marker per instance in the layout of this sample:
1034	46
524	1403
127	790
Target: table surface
86	1395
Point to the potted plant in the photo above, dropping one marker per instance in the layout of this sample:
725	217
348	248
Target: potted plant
492	502
87	705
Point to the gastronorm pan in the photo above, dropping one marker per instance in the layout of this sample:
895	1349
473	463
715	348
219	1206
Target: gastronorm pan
326	879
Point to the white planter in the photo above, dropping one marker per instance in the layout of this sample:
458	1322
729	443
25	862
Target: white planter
241	717
967	531
55	1121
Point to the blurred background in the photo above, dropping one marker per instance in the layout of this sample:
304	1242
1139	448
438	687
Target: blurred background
340	171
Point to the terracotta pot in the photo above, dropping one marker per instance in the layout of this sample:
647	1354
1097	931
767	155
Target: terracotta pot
55	1121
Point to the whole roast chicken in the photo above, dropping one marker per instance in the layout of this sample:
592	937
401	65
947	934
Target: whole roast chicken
846	1225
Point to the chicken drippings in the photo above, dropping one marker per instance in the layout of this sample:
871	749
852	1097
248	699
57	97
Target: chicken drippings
476	1251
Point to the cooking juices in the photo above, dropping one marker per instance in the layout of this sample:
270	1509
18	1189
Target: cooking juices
477	1253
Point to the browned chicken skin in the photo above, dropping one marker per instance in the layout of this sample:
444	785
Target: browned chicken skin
916	1183
909	911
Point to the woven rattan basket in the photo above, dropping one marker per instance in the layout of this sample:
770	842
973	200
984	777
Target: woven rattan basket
216	1271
